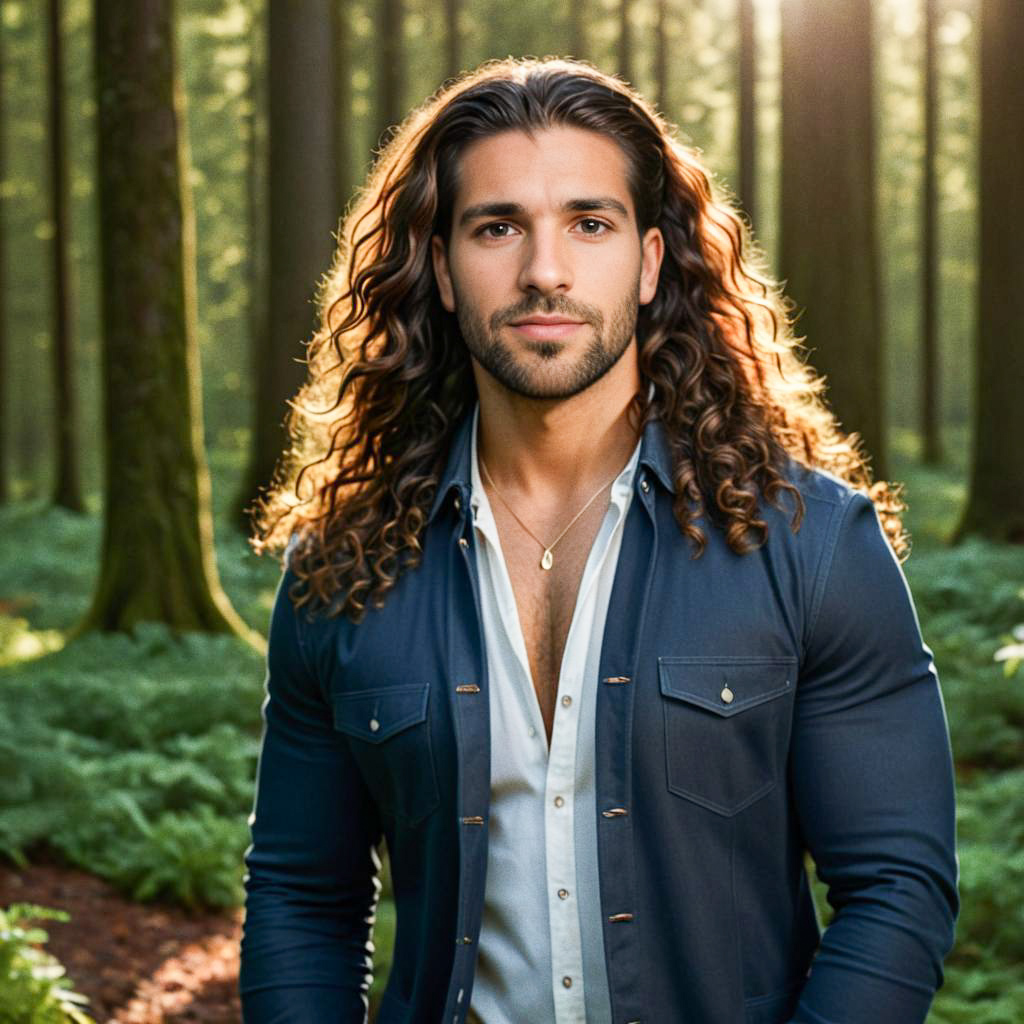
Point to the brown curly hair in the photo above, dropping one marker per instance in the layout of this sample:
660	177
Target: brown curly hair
390	377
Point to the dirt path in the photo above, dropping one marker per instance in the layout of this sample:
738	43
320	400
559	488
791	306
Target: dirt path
137	963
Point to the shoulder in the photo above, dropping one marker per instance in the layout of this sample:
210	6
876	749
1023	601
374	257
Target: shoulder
825	498
818	485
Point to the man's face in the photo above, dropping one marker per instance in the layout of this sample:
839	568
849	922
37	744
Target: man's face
518	249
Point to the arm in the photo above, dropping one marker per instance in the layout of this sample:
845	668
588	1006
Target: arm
872	774
311	883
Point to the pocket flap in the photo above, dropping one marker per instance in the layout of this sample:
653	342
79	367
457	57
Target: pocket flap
725	685
376	715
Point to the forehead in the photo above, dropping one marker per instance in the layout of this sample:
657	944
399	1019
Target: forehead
543	169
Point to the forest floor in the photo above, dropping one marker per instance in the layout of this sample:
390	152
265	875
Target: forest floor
137	963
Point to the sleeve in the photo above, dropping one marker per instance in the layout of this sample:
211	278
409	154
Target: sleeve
872	774
311	879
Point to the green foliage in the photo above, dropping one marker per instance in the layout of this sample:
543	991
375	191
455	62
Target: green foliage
49	569
992	880
990	993
969	599
117	753
990	830
1012	652
191	858
33	986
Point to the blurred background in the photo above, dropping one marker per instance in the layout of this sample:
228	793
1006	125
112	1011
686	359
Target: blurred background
172	176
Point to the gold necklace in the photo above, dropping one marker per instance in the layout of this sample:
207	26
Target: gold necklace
547	560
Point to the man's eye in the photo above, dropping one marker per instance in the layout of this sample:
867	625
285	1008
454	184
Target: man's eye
497	224
486	229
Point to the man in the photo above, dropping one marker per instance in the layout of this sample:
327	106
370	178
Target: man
595	622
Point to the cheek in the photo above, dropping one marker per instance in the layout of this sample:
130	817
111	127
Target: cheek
617	278
481	285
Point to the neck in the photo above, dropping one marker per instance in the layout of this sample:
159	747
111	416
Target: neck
546	452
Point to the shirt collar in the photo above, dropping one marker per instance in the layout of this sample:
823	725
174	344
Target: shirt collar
654	453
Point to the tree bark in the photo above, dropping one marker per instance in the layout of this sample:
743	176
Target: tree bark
747	190
344	130
452	41
259	245
5	464
390	69
157	559
67	491
828	235
930	406
578	29
625	68
303	213
995	504
661	58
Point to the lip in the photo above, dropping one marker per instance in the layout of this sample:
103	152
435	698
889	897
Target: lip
541	327
539	318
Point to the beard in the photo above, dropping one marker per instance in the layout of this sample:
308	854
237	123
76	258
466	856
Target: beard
559	376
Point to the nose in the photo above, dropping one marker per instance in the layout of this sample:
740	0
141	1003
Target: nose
547	264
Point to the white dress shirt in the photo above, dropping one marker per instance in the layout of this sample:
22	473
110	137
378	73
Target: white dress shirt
541	951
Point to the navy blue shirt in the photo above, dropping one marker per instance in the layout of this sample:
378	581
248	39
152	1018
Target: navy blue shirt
750	708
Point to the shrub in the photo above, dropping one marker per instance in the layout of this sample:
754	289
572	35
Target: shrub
33	986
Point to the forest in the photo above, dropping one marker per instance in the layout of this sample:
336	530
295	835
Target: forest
174	176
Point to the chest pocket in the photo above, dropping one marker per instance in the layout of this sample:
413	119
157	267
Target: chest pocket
727	724
389	733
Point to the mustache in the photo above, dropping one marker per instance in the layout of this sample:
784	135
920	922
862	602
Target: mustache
572	313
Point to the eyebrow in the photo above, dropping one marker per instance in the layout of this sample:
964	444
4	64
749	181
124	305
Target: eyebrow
504	209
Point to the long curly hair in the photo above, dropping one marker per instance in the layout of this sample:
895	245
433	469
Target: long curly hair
389	376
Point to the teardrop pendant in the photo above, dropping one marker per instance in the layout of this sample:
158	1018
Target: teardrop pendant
547	561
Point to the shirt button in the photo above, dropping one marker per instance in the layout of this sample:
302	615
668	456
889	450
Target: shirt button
566	701
533	732
563	894
567	981
374	725
559	801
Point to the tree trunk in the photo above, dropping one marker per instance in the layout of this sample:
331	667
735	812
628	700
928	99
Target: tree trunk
625	68
578	29
453	50
303	208
389	71
157	551
67	491
995	504
259	245
5	465
930	392
661	58
343	127
828	238
747	190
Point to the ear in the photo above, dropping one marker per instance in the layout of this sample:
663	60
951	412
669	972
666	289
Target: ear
441	272
653	251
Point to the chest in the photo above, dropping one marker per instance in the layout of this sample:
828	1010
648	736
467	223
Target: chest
546	598
409	685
